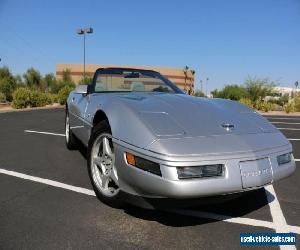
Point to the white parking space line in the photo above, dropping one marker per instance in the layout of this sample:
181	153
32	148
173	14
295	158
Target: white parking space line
48	182
297	159
74	127
41	132
293	139
283	118
279	221
288	123
289	128
187	212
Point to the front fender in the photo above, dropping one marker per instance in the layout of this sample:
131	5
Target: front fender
126	124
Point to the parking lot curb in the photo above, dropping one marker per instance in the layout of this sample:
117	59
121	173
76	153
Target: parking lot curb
31	109
278	113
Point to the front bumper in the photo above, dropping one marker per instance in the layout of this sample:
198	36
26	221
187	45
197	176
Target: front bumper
135	181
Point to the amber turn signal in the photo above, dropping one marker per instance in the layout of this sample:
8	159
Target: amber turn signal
130	159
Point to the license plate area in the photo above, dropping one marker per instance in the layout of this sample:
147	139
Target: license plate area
256	173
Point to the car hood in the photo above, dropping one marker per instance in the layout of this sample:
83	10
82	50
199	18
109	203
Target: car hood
179	115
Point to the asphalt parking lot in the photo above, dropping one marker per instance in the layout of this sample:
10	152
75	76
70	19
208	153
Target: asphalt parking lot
46	200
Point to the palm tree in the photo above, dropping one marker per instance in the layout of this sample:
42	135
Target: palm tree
185	71
192	83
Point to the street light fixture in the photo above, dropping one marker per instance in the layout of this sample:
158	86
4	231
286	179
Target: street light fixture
83	32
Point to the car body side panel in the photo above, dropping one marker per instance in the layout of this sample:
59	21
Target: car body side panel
77	104
74	112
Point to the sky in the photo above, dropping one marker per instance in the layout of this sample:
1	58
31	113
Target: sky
225	41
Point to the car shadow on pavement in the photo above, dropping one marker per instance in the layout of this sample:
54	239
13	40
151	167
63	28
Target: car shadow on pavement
82	149
237	207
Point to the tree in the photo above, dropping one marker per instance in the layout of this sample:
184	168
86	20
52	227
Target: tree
49	82
199	93
66	77
5	73
232	92
88	80
7	83
18	80
33	78
185	72
215	93
257	89
66	80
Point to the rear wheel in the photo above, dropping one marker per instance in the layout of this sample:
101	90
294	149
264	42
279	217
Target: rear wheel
71	140
101	165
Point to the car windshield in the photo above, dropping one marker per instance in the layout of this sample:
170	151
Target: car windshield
133	80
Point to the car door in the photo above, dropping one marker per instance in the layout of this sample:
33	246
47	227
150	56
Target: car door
77	107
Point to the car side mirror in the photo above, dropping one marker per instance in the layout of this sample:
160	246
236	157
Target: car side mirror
81	89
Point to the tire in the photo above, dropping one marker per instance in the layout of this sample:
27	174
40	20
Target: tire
101	166
71	140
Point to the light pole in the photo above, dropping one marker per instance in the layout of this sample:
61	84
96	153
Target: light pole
201	86
83	32
206	85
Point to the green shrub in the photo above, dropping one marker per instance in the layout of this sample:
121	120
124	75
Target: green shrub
289	107
48	97
53	97
263	106
247	102
25	97
40	99
267	106
296	102
22	98
35	100
2	97
199	93
232	92
63	94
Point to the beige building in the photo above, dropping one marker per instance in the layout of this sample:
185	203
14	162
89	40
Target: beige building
184	79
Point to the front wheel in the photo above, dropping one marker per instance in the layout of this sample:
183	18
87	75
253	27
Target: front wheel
101	166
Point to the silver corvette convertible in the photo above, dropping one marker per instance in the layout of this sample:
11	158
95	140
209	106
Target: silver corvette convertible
146	138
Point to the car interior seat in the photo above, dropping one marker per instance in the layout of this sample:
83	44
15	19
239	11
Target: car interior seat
137	86
100	86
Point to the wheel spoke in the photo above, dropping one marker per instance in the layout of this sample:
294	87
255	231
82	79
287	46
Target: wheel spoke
105	181
113	176
98	161
106	147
